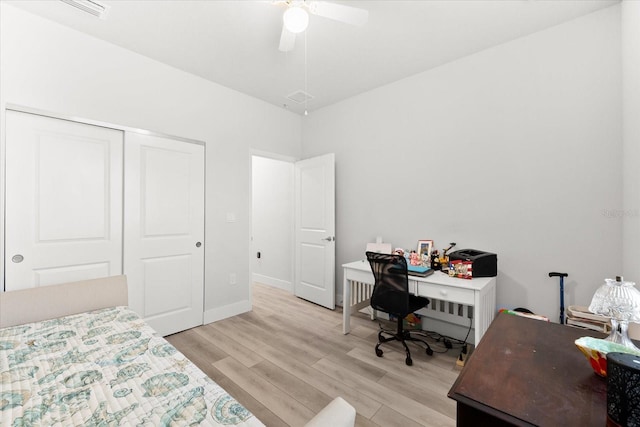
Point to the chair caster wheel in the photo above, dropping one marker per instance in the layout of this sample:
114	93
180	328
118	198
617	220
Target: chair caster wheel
378	352
408	361
429	352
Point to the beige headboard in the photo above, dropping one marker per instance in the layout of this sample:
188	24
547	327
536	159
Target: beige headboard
50	302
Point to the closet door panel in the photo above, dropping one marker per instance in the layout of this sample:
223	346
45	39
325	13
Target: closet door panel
164	222
161	276
166	192
63	201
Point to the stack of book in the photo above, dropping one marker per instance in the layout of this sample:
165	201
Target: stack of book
581	317
419	270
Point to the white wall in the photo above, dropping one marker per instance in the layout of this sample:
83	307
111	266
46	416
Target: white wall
272	222
515	150
50	67
631	137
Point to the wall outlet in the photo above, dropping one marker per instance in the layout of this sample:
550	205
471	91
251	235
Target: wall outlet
233	279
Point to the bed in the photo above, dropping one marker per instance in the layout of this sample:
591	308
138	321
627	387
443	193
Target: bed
74	354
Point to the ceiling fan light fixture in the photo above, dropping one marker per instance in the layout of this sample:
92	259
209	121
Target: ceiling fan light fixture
296	19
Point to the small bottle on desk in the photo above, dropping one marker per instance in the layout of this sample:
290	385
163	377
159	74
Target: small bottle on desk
435	261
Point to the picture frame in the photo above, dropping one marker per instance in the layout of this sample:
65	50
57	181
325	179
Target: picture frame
424	248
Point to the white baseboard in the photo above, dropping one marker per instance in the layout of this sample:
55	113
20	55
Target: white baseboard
226	311
270	281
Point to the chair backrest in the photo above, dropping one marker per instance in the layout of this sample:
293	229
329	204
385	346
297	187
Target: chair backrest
391	289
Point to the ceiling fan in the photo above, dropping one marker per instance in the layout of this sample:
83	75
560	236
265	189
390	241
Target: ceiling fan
296	17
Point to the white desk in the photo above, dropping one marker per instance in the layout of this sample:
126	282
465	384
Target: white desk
479	293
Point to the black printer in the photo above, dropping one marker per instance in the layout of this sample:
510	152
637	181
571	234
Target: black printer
485	264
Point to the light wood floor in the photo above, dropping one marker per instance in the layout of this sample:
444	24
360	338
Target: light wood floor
288	358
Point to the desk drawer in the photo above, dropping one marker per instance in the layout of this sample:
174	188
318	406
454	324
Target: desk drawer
364	276
446	293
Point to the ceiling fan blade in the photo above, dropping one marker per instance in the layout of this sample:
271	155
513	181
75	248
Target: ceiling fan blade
339	12
287	40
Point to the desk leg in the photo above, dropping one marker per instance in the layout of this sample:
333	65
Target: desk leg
484	310
346	305
478	318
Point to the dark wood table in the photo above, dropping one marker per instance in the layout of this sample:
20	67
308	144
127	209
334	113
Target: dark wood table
529	372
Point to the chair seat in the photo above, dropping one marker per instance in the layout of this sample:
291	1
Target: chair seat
416	303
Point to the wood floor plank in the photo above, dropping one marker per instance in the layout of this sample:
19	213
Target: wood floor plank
363	404
422	371
182	339
357	366
365	422
280	403
402	404
320	339
362	331
242	353
299	390
288	358
389	418
258	334
307	316
307	351
425	393
248	337
202	352
256	408
259	410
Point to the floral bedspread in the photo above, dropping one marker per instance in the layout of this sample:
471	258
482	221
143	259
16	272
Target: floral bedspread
105	368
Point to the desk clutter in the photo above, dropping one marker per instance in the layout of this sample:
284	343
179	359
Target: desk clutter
425	259
455	304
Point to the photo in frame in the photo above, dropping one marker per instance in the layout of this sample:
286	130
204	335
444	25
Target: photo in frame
424	249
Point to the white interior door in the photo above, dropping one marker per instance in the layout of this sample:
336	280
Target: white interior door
63	194
164	231
315	230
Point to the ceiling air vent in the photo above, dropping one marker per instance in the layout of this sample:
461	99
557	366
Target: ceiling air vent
90	6
300	96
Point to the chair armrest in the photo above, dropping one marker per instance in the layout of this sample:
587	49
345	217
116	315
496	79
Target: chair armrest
338	413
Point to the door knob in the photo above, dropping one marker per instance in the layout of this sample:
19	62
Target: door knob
17	258
329	239
198	244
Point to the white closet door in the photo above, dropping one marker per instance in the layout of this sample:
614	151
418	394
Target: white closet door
63	194
164	231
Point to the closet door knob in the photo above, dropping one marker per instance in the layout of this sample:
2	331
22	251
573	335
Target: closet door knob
198	244
17	258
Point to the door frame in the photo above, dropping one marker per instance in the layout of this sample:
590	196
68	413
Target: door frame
294	260
72	118
283	158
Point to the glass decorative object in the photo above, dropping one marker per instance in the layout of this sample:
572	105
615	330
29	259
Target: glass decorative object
620	301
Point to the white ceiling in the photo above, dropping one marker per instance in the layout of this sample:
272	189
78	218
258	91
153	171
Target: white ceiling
235	43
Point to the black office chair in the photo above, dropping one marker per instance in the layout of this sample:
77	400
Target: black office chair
391	295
